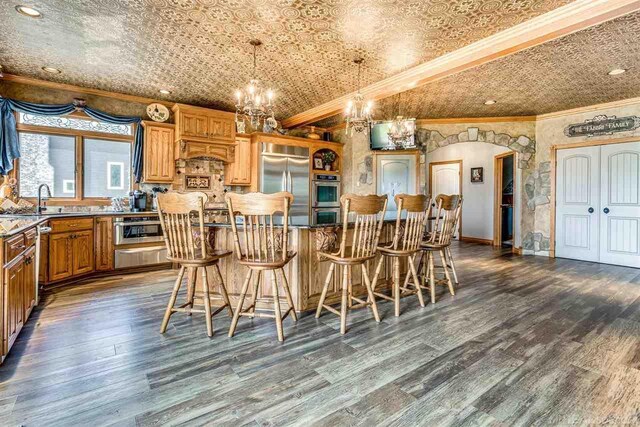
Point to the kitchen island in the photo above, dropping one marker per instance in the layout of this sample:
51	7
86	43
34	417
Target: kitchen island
306	272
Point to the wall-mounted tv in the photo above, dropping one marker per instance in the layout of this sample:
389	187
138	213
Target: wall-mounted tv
379	136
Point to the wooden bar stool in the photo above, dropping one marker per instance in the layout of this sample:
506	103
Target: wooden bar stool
187	245
406	244
449	209
369	217
264	249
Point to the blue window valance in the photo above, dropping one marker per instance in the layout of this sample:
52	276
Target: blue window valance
10	148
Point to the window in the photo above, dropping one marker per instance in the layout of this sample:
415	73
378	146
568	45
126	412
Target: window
47	159
76	156
107	168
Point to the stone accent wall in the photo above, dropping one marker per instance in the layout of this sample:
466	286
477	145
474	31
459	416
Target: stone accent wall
431	140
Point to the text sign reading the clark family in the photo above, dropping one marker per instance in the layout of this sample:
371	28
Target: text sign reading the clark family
603	125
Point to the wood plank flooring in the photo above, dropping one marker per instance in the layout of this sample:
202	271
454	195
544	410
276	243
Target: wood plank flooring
526	341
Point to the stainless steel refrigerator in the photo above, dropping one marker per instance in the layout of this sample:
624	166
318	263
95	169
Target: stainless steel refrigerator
286	168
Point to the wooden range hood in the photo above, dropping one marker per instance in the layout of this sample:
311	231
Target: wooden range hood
204	133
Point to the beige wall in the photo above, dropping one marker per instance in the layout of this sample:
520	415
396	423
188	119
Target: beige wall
550	132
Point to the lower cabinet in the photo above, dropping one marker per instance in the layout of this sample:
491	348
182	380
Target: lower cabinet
104	244
71	253
19	295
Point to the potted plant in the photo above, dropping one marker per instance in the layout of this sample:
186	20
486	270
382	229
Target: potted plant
327	158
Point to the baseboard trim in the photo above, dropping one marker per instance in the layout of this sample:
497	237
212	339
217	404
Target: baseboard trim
477	240
517	251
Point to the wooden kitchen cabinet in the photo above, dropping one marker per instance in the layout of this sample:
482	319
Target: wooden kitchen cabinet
29	277
159	142
71	253
202	132
60	256
193	124
82	246
13	300
239	172
104	249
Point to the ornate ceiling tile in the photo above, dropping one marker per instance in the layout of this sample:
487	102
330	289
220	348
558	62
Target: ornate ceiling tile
199	49
566	73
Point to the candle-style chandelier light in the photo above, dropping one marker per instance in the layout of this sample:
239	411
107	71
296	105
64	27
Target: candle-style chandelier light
254	104
401	129
358	111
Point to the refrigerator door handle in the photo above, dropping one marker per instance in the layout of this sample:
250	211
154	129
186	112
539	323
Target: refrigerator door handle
290	182
283	185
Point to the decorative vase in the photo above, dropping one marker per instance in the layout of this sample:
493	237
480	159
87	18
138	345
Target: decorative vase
313	134
327	167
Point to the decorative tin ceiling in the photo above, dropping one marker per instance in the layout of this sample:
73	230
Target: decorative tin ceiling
566	73
199	49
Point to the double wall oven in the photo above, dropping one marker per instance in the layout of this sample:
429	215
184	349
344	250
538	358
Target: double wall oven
325	199
138	241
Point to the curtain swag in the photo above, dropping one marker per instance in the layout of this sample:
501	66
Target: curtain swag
10	148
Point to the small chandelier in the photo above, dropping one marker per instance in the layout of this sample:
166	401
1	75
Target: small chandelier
358	112
253	104
401	129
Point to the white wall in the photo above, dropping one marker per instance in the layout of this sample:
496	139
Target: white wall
477	211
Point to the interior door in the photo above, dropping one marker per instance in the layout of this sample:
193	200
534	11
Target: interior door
396	175
577	203
445	178
620	204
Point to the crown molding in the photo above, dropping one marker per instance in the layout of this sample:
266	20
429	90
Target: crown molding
589	108
573	17
79	89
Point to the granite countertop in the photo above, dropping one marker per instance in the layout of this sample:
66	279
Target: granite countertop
11	225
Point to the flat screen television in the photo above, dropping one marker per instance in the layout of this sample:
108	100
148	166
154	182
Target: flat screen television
379	138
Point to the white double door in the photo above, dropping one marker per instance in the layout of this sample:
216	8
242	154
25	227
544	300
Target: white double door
598	204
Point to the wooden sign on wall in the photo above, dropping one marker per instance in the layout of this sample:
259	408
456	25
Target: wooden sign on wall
603	125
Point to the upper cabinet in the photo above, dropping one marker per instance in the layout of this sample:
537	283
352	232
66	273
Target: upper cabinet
159	163
239	172
196	126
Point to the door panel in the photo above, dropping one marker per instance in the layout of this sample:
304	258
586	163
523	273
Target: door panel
396	175
445	179
274	171
577	192
298	181
14	310
620	208
60	256
29	282
83	259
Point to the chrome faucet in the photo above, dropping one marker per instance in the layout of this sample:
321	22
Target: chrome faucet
41	199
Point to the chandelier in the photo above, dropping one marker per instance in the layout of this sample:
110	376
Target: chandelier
401	129
358	112
253	104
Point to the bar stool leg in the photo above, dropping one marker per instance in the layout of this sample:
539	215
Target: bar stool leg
374	282
287	291
323	295
446	272
276	306
207	301
396	285
236	313
414	273
172	301
256	285
191	287
344	305
432	278
223	290
372	298
453	264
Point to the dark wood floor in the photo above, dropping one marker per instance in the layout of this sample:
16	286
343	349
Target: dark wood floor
526	341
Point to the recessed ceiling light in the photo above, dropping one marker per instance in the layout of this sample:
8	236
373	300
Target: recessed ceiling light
28	11
51	70
165	92
617	71
490	102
